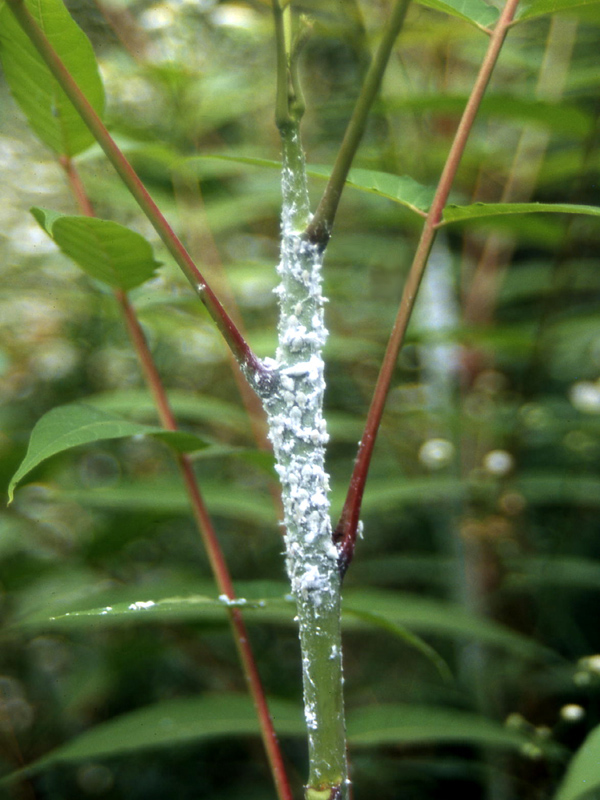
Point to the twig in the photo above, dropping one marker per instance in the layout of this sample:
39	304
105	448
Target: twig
345	532
319	229
198	237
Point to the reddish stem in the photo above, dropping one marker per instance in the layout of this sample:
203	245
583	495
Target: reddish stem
200	240
201	515
213	549
345	532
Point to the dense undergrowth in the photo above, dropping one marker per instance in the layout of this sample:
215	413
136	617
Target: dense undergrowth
481	509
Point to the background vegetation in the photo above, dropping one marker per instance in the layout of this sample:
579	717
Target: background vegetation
481	511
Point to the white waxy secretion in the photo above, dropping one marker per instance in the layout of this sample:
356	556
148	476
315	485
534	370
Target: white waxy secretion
137	606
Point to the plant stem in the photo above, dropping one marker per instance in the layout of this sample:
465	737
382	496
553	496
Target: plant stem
298	434
240	348
345	532
199	239
214	552
319	229
202	517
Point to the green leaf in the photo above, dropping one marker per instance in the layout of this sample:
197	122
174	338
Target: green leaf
186	405
168	497
179	722
105	250
551	571
454	213
441	618
131	605
407	192
551	488
50	114
46	217
400	188
197	607
387	494
543	487
70	426
138	403
583	775
172	723
428	570
474	11
563	118
398	613
410	639
539	8
407	724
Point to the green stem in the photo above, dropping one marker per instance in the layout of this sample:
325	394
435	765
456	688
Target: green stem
282	104
289	105
240	348
202	517
298	434
345	533
320	227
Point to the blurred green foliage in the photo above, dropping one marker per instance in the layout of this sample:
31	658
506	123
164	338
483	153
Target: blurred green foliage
482	509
